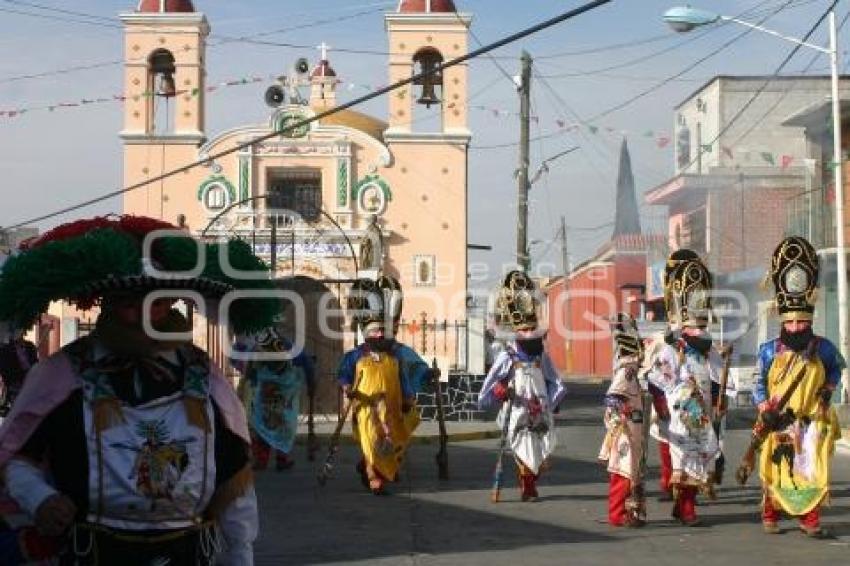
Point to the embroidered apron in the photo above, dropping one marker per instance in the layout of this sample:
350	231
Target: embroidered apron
276	404
693	443
151	468
531	430
794	462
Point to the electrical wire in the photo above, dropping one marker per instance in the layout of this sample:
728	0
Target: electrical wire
59	10
686	70
701	150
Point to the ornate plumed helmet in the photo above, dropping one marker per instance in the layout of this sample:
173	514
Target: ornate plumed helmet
794	271
375	301
687	289
516	305
627	340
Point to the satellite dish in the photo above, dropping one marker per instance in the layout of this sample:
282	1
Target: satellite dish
302	66
275	96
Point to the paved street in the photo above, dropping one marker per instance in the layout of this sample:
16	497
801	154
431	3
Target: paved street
429	523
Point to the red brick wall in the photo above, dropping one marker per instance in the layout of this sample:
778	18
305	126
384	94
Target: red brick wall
744	230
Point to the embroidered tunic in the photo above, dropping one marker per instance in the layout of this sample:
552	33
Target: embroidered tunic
624	413
693	442
155	469
660	369
537	392
794	462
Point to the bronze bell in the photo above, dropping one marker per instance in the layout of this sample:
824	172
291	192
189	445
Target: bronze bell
167	88
428	61
429	95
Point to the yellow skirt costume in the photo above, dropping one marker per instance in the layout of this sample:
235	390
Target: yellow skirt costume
794	462
380	426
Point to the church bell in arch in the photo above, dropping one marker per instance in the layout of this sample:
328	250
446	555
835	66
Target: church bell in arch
162	68
428	61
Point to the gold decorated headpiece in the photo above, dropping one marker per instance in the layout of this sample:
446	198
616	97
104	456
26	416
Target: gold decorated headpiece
687	289
794	270
517	303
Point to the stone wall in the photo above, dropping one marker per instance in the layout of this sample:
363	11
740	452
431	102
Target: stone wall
460	399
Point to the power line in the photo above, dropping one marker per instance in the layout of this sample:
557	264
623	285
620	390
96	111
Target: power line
223	40
687	69
319	116
59	10
60	18
643	58
761	89
654	87
758	122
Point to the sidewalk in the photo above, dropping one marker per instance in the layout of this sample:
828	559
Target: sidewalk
427	432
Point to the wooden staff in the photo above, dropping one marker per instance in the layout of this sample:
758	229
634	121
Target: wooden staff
719	411
333	446
498	473
443	454
312	440
761	430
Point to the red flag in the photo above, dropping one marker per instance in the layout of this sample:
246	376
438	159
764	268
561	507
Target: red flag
786	161
662	142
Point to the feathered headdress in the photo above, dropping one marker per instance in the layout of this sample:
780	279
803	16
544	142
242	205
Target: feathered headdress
82	261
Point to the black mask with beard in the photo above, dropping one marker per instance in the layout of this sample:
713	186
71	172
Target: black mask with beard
380	344
700	342
797	341
532	346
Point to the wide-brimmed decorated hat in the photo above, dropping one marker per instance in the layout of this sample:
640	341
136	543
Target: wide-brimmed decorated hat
376	301
626	336
517	303
84	261
687	289
794	270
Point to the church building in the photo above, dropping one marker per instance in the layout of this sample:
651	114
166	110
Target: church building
346	196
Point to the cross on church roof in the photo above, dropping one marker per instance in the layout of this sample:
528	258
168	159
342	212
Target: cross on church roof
324	47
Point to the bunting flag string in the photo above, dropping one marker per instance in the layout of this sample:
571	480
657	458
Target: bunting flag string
661	140
16	112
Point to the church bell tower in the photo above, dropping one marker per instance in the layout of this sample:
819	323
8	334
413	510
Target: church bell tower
164	71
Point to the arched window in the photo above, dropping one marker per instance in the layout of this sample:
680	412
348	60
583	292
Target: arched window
427	101
216	197
160	90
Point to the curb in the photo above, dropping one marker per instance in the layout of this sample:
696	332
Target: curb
301	439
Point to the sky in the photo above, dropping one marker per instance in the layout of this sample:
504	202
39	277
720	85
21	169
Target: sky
50	160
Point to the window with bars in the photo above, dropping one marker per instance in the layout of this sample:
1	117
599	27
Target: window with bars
299	191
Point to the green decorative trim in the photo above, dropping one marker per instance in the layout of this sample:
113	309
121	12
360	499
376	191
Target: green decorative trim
288	118
372	180
217	180
342	183
244	178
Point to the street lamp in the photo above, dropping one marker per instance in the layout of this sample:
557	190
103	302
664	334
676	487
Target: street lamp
684	19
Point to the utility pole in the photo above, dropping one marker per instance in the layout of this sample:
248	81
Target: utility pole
522	173
565	258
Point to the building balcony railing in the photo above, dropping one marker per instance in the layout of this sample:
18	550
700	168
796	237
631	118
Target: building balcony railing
809	216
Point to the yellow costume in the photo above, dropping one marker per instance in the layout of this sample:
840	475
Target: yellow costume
794	462
382	428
